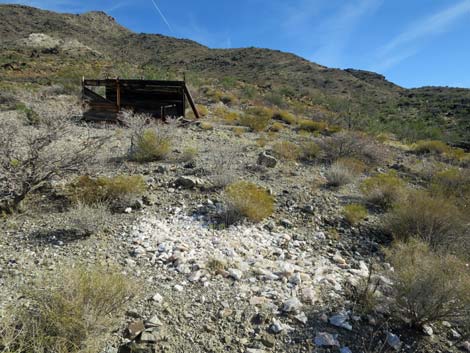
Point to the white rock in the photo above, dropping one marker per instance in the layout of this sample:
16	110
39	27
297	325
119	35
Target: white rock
128	210
235	274
291	305
157	298
276	327
324	339
178	287
393	341
341	320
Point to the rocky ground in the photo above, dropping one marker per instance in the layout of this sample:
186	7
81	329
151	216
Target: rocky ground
283	285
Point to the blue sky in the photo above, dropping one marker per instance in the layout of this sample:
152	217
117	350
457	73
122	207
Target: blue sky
412	42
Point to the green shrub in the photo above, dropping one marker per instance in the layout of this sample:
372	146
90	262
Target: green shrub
310	151
355	165
276	127
87	219
429	287
287	150
434	220
311	126
453	183
150	146
257	118
249	200
354	213
430	146
383	190
285	116
72	310
112	190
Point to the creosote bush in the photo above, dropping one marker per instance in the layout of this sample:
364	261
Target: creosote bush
249	200
311	126
383	190
149	146
354	213
70	311
285	116
429	286
435	220
287	150
348	144
107	190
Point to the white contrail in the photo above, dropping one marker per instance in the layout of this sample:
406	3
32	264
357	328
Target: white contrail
162	15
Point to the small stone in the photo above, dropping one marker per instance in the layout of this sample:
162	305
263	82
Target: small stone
268	340
428	330
276	327
147	337
345	350
154	321
195	276
341	320
235	274
187	182
286	223
308	209
302	318
324	339
466	346
178	287
157	298
266	160
135	328
257	300
291	305
128	210
393	341
295	279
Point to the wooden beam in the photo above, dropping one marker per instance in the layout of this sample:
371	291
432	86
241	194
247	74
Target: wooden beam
191	101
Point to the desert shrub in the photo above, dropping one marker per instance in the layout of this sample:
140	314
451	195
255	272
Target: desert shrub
108	190
189	154
348	144
32	117
238	131
430	146
33	155
310	151
151	145
287	150
339	174
285	116
204	125
453	183
434	220
354	213
221	167
249	200
71	310
227	116
88	219
276	127
357	166
428	286
311	126
383	190
262	141
256	118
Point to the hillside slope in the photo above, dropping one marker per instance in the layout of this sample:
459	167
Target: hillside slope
105	44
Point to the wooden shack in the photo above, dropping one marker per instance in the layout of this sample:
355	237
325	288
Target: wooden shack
161	99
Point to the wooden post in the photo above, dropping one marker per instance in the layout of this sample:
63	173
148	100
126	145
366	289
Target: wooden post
118	95
191	101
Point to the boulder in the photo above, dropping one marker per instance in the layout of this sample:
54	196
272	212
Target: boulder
266	160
